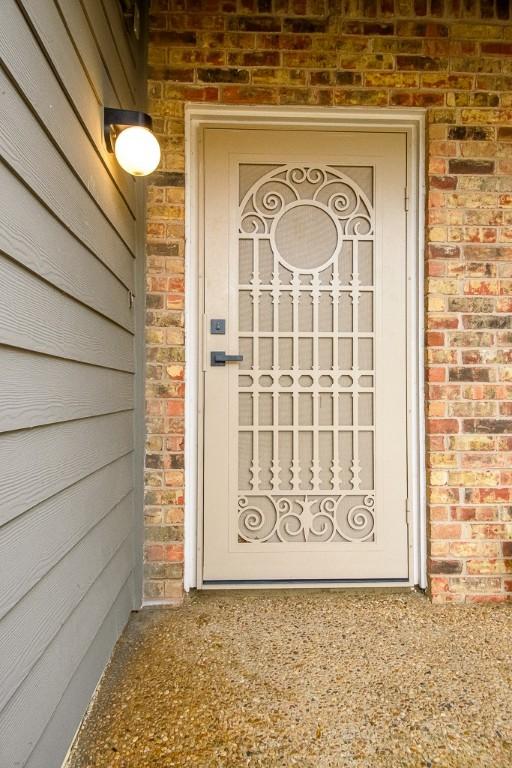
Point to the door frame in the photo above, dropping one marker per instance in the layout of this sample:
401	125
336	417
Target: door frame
411	122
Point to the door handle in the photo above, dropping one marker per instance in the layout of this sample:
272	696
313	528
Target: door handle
220	358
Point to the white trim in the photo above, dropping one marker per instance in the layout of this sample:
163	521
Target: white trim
191	353
410	120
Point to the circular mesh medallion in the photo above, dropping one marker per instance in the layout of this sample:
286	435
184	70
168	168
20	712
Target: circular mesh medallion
306	236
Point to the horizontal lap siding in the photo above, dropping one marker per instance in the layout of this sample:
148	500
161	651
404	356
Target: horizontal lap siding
69	243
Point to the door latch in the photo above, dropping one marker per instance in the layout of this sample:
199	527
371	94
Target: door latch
220	358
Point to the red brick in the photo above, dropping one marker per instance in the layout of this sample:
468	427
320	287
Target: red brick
173	553
504	49
154	552
445	566
443	251
445	426
475	167
439	585
175	408
436	374
445	531
435	339
487	598
443	182
442	321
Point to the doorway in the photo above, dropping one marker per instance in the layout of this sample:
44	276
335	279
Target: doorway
305	461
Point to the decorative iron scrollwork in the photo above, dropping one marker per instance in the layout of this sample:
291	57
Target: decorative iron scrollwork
307	518
326	188
306	391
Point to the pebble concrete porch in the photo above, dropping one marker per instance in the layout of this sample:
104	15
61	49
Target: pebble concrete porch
306	678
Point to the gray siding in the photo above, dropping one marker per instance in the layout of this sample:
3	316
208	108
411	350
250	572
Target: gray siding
70	254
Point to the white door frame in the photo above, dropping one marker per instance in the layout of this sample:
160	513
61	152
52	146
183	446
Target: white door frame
410	121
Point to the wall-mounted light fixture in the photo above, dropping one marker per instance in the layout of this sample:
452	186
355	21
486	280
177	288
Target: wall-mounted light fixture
129	136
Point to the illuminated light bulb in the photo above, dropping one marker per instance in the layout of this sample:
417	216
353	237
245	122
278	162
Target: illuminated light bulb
137	150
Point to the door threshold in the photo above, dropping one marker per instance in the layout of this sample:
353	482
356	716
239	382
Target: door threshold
386	584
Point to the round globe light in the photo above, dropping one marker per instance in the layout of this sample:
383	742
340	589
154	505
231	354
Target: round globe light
137	150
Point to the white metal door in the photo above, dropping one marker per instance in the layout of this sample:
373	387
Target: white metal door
305	445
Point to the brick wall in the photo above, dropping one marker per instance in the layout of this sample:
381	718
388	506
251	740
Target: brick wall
453	57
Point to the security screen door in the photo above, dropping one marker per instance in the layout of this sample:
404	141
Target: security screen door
305	460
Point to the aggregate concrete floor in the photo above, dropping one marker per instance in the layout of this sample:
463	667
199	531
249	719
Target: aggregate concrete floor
309	679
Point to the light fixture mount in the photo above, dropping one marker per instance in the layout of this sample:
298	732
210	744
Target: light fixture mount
113	119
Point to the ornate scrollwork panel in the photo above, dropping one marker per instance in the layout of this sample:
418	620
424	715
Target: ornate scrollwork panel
307	333
271	518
